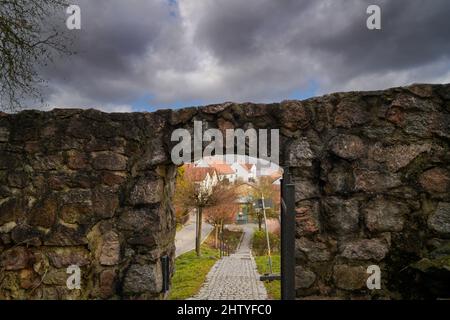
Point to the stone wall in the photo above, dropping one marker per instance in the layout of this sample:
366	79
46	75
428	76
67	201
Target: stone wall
85	188
371	171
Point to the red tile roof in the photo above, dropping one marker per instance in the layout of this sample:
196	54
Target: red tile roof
222	168
275	176
198	173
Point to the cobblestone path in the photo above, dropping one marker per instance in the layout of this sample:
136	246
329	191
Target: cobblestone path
234	277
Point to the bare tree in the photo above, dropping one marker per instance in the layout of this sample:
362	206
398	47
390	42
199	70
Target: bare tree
191	194
223	213
28	39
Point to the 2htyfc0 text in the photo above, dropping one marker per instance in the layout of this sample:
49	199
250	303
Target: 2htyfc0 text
226	309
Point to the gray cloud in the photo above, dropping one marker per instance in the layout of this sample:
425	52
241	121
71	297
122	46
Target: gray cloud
260	50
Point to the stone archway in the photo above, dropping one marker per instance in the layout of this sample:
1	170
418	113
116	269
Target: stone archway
370	170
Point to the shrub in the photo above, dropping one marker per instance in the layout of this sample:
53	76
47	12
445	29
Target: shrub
259	243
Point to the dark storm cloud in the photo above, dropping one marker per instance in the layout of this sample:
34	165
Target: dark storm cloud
114	36
260	50
414	33
236	29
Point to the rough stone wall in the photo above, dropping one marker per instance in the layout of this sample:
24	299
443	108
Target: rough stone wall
85	188
373	188
371	172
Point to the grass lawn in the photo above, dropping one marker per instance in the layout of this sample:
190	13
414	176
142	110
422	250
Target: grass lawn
273	287
191	271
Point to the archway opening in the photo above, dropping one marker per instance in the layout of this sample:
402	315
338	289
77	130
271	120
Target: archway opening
228	240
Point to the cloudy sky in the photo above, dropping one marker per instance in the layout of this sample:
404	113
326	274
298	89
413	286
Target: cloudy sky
139	55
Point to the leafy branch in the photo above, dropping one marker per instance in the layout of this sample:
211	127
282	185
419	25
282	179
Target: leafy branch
28	41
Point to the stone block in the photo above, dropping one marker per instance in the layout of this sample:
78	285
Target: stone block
11	209
423	91
76	160
107	283
365	249
109	161
77	214
382	215
105	201
304	278
4	134
139	220
399	156
300	154
314	251
112	179
436	180
340	180
43	214
105	243
28	279
64	257
182	115
439	221
146	191
350	114
341	216
7	227
18	179
24	233
307	218
55	277
348	147
306	189
143	279
349	277
110	249
16	258
294	115
62	235
374	181
76	196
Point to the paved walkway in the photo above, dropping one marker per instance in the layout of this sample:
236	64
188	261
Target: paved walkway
235	277
185	238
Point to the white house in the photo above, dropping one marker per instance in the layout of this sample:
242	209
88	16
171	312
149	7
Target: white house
251	171
245	171
205	177
224	171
